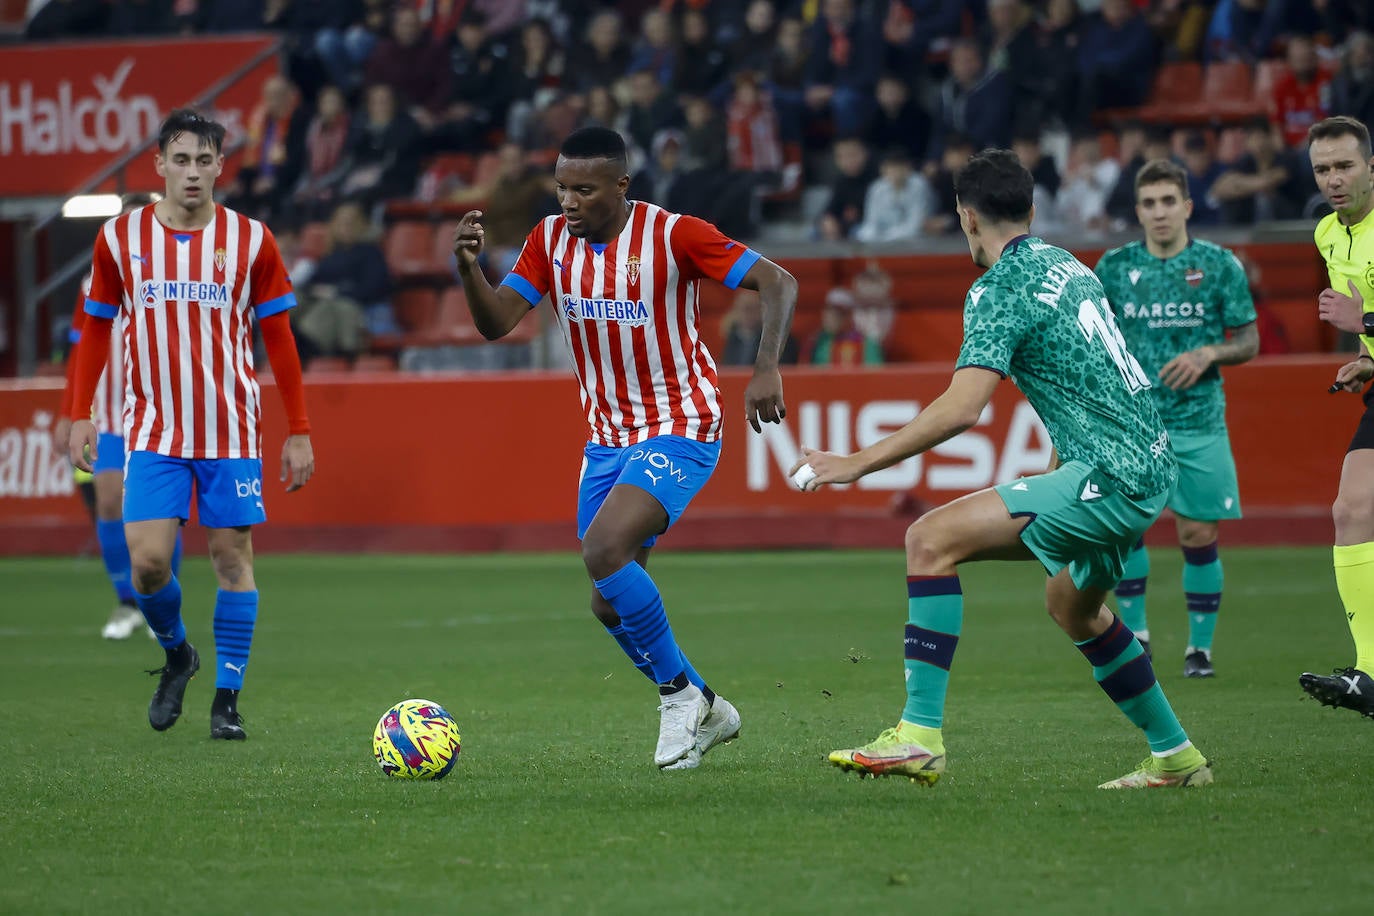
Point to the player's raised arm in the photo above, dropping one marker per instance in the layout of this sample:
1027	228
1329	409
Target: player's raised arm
777	289
497	311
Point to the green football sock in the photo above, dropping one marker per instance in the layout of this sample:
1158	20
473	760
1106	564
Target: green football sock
1130	591
935	614
1202	581
1123	671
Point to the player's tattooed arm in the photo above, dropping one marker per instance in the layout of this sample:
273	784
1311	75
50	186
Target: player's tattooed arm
1184	370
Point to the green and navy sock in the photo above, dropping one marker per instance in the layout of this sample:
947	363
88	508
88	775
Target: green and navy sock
935	615
1130	591
162	610
114	550
1123	671
235	615
1202	582
638	604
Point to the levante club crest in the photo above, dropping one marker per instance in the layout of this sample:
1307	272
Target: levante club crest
632	269
1193	275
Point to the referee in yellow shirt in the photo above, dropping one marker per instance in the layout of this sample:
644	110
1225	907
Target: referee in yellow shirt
1343	165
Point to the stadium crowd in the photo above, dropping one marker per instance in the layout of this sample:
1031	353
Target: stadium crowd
831	119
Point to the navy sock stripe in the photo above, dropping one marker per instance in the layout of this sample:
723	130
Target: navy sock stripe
1102	650
1203	602
1139	544
927	586
929	646
1200	556
1130	588
1130	680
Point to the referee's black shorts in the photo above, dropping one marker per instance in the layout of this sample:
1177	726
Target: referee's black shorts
1364	433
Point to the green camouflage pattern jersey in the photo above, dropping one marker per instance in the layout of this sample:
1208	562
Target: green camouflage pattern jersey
1040	316
1168	307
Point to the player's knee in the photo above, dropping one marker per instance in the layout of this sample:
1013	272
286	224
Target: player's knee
149	573
603	611
602	556
925	554
1352	517
1197	535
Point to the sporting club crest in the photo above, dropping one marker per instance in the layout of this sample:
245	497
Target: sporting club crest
220	258
1193	275
632	269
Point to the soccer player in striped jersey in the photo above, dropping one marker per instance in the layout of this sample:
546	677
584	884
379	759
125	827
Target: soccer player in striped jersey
188	278
622	276
107	478
1176	299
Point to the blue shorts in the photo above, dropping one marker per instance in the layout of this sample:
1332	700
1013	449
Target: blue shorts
109	454
228	490
671	469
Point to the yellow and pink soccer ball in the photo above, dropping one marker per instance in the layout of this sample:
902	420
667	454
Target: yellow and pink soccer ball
416	739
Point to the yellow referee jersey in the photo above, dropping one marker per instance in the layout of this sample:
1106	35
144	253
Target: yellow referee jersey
1349	255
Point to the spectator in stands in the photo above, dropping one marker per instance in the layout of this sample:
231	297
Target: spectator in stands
326	148
704	137
1203	170
742	329
479	83
501	16
1239	30
1056	36
1137	144
661	180
838	342
874	311
842	63
350	282
141	17
383	150
1352	88
651	108
1301	96
944	219
411	63
537	77
897	120
656	49
753	49
973	101
897	204
754	137
299	23
343	49
299	263
911	28
602	110
273	152
1031	154
1341	17
1116	60
517	196
787	77
59	19
848	187
1266	183
1088	181
605	56
702	68
1014	52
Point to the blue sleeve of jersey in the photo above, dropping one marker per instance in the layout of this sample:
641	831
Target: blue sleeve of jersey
273	306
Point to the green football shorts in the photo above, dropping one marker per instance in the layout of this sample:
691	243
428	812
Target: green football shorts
1207	490
1079	520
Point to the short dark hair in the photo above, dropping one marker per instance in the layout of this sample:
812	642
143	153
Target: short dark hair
189	121
1341	126
596	143
1159	170
997	185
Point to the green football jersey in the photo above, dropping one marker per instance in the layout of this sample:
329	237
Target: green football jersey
1039	315
1168	307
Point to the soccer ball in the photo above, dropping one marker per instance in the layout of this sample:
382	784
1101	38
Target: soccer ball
416	739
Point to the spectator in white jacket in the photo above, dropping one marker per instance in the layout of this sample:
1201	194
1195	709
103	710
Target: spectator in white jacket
897	203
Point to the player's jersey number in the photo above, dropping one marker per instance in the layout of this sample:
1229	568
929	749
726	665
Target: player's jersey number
1099	323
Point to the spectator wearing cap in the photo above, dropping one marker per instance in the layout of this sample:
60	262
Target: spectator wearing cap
838	342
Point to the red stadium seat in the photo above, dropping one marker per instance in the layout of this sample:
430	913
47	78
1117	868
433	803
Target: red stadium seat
1176	97
1229	90
374	362
323	364
416	309
409	249
488	164
442	251
455	320
1267	73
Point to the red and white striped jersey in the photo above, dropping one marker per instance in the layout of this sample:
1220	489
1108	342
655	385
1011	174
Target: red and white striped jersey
187	302
107	410
629	314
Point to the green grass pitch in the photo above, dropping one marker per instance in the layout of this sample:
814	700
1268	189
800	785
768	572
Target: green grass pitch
555	805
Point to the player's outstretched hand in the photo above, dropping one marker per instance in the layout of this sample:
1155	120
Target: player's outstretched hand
1353	375
469	237
297	462
81	445
828	467
763	399
1184	370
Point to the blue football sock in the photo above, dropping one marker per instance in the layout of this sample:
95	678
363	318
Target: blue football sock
235	614
162	610
1202	582
623	639
176	555
1123	671
114	550
935	615
1130	591
637	602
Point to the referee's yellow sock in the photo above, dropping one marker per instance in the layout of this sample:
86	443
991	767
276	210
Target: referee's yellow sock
1355	581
